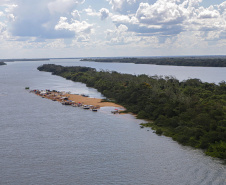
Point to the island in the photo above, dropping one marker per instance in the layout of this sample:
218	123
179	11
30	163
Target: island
192	112
197	61
2	63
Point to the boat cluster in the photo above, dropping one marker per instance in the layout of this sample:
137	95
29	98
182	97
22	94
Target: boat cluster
116	111
63	99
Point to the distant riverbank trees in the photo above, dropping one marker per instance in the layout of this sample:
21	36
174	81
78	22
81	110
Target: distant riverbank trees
2	63
175	61
192	112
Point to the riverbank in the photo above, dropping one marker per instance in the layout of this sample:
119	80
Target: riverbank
75	99
195	61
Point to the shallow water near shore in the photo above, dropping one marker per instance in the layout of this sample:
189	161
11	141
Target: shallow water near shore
43	142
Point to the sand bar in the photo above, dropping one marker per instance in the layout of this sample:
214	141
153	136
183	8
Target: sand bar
61	96
90	101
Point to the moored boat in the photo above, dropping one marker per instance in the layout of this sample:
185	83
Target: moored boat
86	107
66	103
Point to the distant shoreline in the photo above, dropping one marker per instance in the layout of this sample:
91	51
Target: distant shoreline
202	61
191	61
2	63
28	59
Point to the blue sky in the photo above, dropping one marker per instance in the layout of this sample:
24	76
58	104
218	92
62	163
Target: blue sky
107	28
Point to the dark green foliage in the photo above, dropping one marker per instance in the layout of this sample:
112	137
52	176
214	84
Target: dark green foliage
217	149
214	61
2	63
191	112
159	131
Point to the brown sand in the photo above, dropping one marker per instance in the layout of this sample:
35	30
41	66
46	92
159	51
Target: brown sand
77	99
90	101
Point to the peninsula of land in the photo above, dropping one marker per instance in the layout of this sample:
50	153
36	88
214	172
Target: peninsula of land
192	112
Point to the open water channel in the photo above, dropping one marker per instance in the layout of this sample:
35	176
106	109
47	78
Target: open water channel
43	142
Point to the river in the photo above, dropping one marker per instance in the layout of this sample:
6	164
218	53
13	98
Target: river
43	142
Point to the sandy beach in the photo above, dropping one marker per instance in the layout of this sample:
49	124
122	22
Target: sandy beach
90	101
74	98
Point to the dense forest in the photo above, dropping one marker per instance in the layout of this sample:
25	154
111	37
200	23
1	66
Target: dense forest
175	61
192	112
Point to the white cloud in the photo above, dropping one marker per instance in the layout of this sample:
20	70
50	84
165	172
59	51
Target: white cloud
116	4
120	36
83	38
162	12
7	11
120	19
2	27
6	17
209	21
11	17
208	13
56	44
134	23
4	34
167	18
104	13
75	26
222	7
10	8
89	11
76	15
38	18
124	6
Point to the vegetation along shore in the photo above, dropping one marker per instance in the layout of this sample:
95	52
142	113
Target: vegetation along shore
192	112
205	61
2	63
24	59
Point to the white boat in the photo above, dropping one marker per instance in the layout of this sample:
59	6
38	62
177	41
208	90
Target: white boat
86	107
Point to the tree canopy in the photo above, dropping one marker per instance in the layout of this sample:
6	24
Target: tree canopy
174	61
192	112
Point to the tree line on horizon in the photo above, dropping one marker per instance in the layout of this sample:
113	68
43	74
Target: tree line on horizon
192	112
174	61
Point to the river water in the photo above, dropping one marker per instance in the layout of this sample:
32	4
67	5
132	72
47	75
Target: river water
43	142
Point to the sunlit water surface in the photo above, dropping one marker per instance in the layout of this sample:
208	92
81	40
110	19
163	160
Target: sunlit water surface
43	142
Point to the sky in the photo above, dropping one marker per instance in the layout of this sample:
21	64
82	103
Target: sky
111	28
